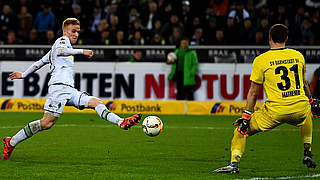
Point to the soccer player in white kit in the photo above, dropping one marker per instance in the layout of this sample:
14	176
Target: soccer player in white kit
61	91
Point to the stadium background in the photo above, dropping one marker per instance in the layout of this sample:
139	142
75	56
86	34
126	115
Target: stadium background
163	22
226	34
197	134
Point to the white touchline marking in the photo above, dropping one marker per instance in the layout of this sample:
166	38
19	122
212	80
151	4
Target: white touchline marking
283	177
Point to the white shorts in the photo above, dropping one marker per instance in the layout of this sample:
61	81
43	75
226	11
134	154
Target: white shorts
60	96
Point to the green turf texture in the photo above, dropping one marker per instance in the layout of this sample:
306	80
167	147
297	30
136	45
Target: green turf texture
83	146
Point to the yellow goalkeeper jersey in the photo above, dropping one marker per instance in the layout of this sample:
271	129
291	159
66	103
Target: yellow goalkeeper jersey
281	72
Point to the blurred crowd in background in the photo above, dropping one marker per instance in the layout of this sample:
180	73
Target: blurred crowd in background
160	22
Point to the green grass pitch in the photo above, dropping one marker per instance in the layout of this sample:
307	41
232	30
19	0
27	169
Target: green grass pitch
83	146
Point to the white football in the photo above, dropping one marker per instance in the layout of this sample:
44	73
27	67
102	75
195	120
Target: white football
171	58
152	125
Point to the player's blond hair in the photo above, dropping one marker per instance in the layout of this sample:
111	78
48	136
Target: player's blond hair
73	21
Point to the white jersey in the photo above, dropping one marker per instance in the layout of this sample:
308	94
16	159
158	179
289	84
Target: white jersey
61	66
61	61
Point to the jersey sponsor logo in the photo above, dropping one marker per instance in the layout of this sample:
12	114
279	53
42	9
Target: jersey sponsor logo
6	105
62	42
217	108
111	106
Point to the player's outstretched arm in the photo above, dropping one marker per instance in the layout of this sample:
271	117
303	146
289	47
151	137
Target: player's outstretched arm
306	88
252	96
243	123
88	53
15	75
63	51
34	67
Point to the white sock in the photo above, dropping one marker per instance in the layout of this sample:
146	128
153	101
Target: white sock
20	136
112	117
104	113
28	131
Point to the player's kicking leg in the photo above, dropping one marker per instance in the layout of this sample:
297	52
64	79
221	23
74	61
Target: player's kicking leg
127	123
103	112
8	148
28	131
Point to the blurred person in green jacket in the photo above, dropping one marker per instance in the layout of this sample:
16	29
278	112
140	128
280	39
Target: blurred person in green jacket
137	56
183	70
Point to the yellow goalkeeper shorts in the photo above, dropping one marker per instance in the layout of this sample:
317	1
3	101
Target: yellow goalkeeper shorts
265	120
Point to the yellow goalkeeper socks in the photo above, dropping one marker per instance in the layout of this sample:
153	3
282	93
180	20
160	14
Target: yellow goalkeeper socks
306	131
238	146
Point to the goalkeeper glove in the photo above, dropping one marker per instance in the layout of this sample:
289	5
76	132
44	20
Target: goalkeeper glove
315	107
243	122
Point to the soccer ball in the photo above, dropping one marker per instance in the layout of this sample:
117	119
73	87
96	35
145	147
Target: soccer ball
152	126
171	58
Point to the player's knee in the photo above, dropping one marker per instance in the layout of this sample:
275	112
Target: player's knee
46	126
99	101
93	102
47	123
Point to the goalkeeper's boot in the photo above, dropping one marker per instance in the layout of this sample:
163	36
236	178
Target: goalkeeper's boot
307	159
127	123
7	150
231	168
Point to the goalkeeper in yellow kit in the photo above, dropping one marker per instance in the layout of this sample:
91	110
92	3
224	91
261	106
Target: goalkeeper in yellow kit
281	71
